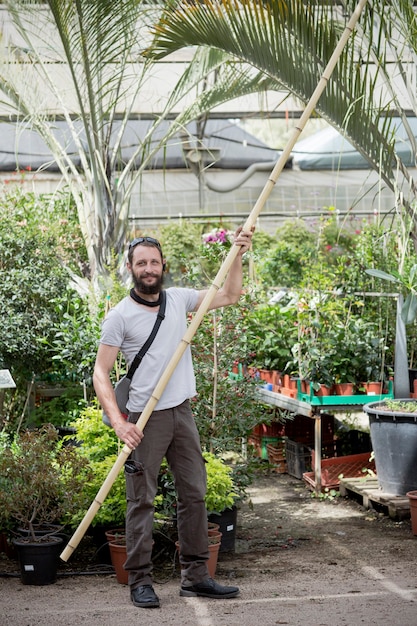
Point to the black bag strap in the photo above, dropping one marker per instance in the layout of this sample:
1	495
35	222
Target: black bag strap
138	358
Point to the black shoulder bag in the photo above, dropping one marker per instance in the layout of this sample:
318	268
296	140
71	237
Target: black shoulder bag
121	389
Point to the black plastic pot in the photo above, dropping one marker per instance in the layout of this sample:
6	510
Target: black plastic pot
226	520
38	560
41	530
394	442
412	376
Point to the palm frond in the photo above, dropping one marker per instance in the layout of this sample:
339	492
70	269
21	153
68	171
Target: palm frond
289	44
96	47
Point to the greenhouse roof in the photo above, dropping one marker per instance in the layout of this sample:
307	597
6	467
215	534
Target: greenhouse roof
225	143
329	150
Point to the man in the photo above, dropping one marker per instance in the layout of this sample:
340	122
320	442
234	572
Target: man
170	431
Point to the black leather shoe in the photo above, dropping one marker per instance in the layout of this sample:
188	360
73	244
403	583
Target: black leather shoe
145	597
209	589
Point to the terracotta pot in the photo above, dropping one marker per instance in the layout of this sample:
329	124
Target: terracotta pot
286	391
213	557
215	538
118	556
344	389
115	533
214	535
118	559
289	382
267	376
373	388
324	390
276	377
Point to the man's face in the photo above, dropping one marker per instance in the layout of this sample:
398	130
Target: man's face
147	269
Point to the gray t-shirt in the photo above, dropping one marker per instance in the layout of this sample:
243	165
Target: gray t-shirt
128	325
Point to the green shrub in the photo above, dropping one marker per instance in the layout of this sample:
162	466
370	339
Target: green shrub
41	480
221	493
99	444
40	244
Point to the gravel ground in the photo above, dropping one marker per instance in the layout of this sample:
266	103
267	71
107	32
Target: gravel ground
297	561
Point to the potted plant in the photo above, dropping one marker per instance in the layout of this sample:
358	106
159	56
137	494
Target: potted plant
315	318
223	493
368	362
393	428
318	368
41	484
270	334
343	355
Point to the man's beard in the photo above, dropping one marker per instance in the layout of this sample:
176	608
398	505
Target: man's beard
148	290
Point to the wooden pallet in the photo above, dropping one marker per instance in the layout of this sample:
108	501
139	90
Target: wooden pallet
368	492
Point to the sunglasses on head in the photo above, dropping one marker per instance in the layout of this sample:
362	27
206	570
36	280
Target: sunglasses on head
139	240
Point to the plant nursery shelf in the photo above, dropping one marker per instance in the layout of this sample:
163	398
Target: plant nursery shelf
309	404
299	407
313	406
369	494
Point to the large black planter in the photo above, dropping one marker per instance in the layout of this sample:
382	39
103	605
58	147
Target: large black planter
38	560
394	442
226	520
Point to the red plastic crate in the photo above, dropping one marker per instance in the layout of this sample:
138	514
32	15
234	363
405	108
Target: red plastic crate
349	466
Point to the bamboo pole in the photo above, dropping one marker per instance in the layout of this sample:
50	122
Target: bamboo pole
218	281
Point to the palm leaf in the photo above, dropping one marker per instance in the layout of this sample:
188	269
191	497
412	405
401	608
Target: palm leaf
289	44
384	275
409	309
96	45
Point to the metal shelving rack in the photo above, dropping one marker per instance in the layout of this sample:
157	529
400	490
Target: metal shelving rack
314	407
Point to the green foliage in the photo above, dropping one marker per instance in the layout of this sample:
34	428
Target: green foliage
336	345
113	509
37	241
399	406
220	489
99	445
271	333
262	243
334	329
41	481
285	263
181	243
194	252
224	410
358	351
96	440
73	347
60	410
